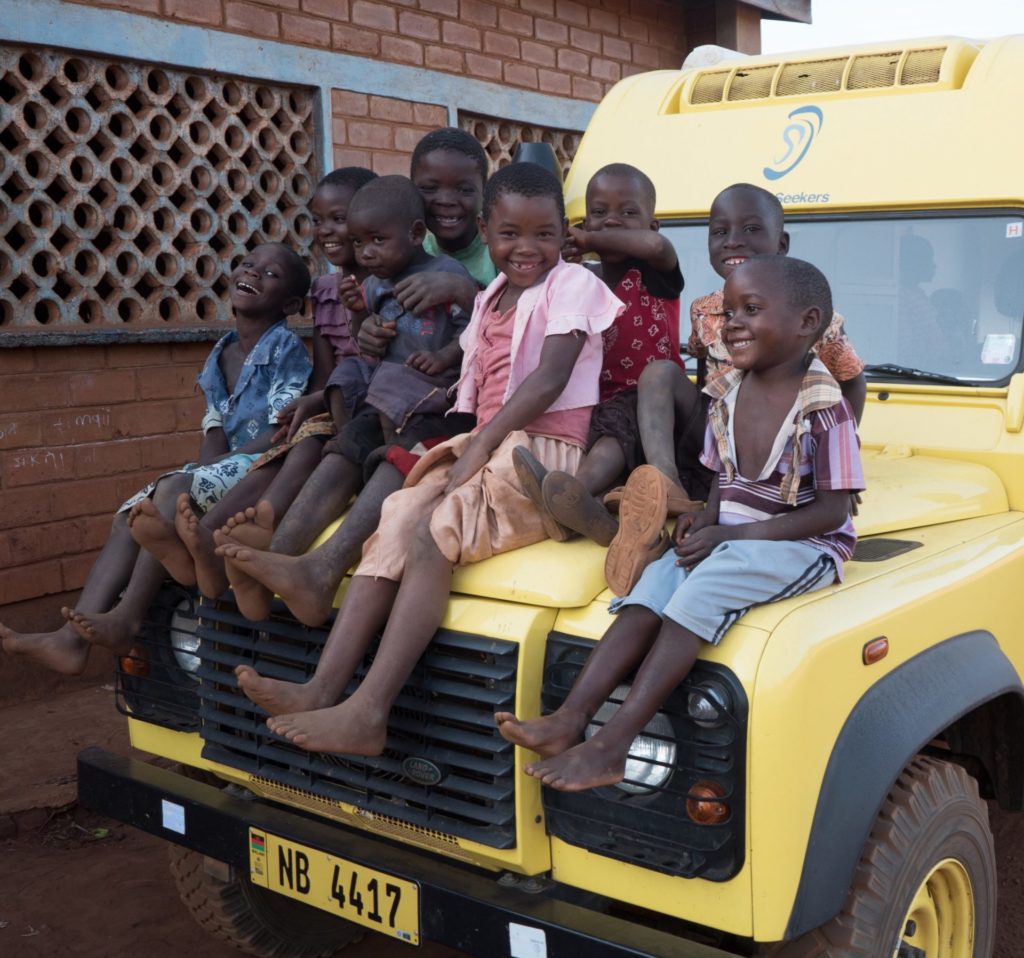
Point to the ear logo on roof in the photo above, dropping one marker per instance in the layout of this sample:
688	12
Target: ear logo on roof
797	137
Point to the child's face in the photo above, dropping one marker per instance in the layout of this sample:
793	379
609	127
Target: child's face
384	245
762	330
329	210
617	202
742	226
262	284
453	193
524	236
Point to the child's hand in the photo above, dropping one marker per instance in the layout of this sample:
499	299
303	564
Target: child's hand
472	460
299	411
375	336
574	245
697	545
351	294
432	364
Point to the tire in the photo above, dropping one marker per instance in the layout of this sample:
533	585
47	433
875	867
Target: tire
928	868
256	921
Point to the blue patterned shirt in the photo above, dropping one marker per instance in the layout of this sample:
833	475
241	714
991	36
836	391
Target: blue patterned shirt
273	374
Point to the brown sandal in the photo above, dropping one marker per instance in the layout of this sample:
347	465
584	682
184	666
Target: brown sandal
641	538
531	472
678	501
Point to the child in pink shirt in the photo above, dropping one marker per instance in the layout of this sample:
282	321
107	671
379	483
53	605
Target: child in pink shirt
532	358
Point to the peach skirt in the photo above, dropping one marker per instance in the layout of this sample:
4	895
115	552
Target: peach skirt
485	516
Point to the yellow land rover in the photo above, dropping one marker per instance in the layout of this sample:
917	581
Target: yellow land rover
817	785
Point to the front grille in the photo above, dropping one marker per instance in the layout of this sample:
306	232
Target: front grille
651	829
442	724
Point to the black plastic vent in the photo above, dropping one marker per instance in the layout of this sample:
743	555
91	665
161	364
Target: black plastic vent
878	550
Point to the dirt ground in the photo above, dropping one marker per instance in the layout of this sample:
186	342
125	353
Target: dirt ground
75	885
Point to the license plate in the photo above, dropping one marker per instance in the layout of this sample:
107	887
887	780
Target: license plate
354	892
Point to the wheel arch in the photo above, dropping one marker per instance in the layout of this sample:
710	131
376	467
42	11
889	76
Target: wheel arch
891	723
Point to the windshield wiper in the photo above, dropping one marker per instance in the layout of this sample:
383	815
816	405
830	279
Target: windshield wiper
909	372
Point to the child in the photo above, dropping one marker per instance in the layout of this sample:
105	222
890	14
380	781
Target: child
406	399
642	268
449	168
783	443
530	373
252	373
339	382
745	221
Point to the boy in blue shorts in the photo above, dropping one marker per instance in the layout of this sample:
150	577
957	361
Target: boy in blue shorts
782	442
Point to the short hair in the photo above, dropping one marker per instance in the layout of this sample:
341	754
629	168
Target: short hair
523	179
298	274
393	197
760	197
803	283
354	177
456	141
624	171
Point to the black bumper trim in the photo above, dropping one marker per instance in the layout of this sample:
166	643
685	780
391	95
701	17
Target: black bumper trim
459	908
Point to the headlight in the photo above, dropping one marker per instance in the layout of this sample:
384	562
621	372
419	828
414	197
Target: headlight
652	756
708	704
184	641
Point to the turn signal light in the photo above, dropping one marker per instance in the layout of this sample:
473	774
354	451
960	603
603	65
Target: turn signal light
875	650
134	663
702	803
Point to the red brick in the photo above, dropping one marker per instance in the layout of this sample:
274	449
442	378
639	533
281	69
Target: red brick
110	458
74	570
378	16
96	531
604	21
308	30
551	31
546	8
458	34
54	358
144	419
192	354
429	114
444	58
339	131
188	413
30	581
511	21
35	543
416	25
102	386
351	158
170	382
353	40
18	360
631	70
386	163
86	497
138	354
25	506
521	75
487	68
131	483
551	82
585	40
137	6
607	70
474	11
646	56
501	44
584	89
619	49
538	54
195	11
29	393
571	12
21	431
247	17
644	9
331	9
76	425
444	8
406	138
633	30
374	136
573	61
166	452
400	50
347	103
34	466
388	108
671	59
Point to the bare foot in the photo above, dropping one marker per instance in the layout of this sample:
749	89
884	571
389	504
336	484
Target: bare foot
109	629
345	729
276	697
584	766
155	534
254	527
547	736
567	499
62	650
209	567
303	582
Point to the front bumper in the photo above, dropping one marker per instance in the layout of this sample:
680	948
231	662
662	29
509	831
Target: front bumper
460	907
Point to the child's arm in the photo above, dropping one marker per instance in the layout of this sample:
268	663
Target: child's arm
855	392
437	362
351	294
646	245
533	397
420	291
214	445
313	403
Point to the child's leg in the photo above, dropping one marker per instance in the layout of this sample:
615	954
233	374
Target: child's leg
335	401
307	583
665	398
64	650
626	642
601	466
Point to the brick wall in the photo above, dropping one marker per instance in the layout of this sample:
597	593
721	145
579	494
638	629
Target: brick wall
562	47
378	131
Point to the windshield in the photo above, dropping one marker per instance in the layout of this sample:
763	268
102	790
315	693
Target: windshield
940	294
